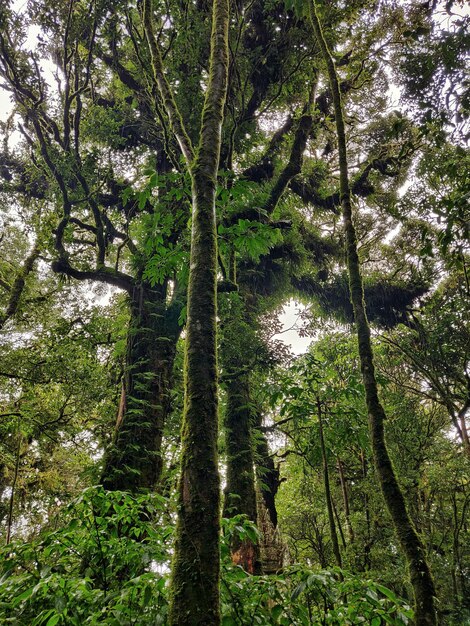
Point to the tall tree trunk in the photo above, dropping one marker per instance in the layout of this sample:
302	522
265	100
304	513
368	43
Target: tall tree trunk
326	482
194	597
266	471
423	584
195	572
240	492
344	491
134	460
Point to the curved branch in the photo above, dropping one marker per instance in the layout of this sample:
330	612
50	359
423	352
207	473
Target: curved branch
163	85
103	274
18	285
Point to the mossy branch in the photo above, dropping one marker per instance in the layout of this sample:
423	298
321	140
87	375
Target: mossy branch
17	288
174	115
294	165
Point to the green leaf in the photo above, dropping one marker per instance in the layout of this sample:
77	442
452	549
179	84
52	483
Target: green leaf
23	596
143	197
252	533
387	593
276	611
126	194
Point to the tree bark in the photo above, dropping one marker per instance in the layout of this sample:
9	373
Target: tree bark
236	346
240	492
326	482
134	460
421	579
344	491
266	471
194	594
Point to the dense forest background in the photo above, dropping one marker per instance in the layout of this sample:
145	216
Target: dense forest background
172	175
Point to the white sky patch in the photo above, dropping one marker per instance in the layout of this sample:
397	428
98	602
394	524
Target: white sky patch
291	326
392	234
6	105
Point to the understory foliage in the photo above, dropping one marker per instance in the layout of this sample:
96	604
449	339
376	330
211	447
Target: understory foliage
107	563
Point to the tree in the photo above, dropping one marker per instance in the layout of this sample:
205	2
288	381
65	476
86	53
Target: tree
420	575
94	214
195	574
114	154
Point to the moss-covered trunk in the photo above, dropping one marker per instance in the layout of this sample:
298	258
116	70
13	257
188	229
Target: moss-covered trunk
196	565
238	339
240	491
240	494
134	460
266	470
195	574
421	579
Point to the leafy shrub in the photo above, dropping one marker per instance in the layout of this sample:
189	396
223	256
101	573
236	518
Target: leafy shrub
100	567
108	564
304	597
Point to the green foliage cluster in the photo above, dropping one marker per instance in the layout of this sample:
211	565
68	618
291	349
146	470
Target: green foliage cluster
107	563
421	398
301	596
249	238
94	569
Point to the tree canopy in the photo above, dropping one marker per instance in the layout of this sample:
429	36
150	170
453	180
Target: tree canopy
172	174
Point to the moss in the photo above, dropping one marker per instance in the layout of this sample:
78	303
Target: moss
195	572
17	288
387	303
240	492
194	597
294	166
267	472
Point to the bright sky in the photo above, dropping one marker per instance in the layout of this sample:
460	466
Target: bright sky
290	328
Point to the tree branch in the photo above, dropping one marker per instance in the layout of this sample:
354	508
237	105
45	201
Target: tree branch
294	165
17	288
174	115
102	274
